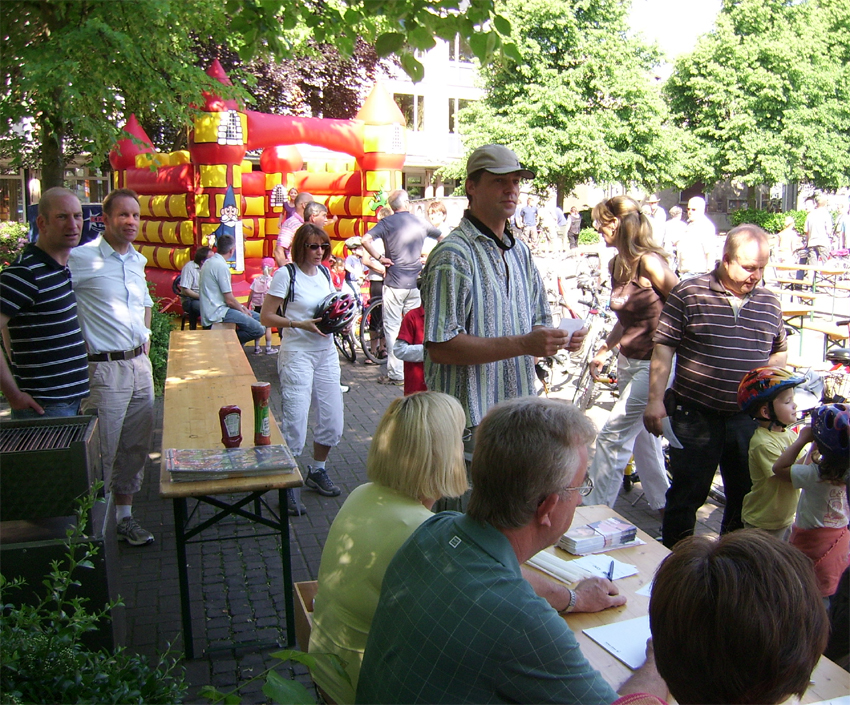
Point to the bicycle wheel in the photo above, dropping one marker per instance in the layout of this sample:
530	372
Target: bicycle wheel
583	396
372	332
344	342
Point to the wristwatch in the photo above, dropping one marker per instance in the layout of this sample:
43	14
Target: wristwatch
572	605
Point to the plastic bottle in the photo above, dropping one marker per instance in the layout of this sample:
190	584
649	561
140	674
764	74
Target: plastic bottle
260	391
230	418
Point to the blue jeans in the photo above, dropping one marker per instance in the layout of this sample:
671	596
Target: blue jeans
51	409
709	439
247	327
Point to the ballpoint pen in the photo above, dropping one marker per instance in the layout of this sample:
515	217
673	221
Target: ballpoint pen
611	572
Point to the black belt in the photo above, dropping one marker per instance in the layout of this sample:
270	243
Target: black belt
120	355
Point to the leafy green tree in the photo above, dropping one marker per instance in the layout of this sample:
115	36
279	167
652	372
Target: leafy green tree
319	82
72	70
580	103
765	96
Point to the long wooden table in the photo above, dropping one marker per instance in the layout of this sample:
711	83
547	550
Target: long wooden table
207	369
828	680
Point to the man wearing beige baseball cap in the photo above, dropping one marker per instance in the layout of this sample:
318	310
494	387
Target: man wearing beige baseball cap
486	313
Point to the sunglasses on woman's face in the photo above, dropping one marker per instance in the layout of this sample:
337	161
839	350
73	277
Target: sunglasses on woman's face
316	245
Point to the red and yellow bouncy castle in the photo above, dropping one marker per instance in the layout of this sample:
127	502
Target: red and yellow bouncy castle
182	193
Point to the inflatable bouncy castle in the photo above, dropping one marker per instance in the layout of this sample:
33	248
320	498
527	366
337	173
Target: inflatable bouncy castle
189	197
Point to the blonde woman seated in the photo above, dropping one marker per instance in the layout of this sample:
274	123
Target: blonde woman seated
416	457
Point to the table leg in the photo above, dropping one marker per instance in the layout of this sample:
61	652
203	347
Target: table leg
180	514
286	561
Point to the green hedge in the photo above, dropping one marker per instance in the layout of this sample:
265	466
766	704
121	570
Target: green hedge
13	239
772	222
588	236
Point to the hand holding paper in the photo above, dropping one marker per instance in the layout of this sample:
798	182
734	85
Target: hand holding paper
571	325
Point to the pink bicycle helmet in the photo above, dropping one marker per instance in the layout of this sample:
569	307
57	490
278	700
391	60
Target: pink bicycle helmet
336	311
831	428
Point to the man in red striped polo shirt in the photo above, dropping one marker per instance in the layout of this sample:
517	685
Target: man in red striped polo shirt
718	326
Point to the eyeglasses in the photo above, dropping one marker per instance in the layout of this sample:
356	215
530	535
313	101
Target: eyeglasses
315	246
584	489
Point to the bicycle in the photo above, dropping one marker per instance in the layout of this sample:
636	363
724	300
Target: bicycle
371	332
601	322
345	343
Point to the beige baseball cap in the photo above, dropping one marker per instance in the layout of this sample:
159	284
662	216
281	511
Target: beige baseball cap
497	159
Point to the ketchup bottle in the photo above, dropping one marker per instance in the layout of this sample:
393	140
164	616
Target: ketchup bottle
230	418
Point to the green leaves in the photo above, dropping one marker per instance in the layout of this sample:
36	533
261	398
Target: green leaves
572	95
764	96
282	690
76	70
389	42
43	658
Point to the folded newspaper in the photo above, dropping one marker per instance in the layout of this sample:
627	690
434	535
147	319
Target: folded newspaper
600	535
186	465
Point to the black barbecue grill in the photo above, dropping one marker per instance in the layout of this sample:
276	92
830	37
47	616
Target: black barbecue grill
45	464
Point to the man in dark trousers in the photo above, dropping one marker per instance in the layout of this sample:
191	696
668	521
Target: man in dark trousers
403	235
718	326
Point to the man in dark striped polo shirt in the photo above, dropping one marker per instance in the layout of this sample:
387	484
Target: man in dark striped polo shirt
38	315
718	326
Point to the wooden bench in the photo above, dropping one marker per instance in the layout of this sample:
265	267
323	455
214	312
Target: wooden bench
802	295
833	335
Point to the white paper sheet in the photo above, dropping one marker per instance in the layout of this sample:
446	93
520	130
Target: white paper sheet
646	591
625	640
667	432
597	564
571	325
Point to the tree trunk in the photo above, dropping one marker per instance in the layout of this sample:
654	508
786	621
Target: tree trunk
52	156
559	194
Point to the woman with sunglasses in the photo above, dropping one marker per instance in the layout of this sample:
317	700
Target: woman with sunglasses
640	283
307	364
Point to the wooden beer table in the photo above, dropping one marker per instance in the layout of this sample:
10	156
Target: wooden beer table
207	369
828	679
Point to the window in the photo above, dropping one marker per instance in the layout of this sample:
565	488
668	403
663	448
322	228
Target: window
413	184
12	195
89	184
413	109
456	105
459	51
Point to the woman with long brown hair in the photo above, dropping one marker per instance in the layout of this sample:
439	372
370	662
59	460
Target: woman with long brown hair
640	283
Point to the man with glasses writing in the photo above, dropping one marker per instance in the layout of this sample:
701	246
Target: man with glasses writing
481	634
218	304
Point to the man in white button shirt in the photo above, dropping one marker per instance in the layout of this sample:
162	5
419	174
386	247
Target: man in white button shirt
696	253
114	308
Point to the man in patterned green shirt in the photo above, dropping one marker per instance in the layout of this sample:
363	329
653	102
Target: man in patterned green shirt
486	312
456	621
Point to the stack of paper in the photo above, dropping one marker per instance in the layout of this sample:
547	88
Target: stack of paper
598	536
565	571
